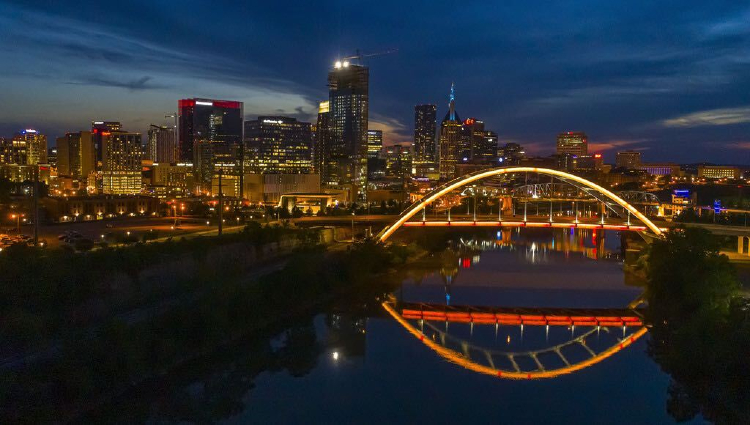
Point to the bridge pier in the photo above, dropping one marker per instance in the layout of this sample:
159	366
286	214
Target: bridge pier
741	245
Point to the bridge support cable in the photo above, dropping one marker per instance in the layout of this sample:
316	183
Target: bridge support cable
513	362
560	354
583	344
490	360
539	364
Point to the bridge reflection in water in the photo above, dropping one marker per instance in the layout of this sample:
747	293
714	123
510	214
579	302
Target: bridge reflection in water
575	354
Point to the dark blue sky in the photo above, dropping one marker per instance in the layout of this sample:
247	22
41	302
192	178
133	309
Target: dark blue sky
670	77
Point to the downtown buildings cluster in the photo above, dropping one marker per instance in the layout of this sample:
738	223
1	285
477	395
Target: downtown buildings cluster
211	148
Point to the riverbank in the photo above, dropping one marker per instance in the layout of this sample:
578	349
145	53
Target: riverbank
95	366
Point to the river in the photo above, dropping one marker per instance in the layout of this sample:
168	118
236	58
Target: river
353	362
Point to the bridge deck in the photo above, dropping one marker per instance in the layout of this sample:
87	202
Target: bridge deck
515	223
607	317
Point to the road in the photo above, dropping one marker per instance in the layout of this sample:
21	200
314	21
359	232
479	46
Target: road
164	226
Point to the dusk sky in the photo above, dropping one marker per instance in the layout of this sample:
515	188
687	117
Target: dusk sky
671	78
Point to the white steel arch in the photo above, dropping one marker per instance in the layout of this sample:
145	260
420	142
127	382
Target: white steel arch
483	174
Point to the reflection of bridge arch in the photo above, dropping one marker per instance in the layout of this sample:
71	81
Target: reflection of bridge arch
465	360
590	187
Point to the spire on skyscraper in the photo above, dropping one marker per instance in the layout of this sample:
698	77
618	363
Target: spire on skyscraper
451	115
453	102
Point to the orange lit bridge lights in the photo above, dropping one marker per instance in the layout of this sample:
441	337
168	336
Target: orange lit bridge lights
590	219
622	327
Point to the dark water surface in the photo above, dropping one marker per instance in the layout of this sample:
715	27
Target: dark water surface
350	364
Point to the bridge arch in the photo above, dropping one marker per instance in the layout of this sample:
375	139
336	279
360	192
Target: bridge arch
482	174
465	361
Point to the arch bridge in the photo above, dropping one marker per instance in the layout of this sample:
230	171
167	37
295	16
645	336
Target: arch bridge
543	363
616	211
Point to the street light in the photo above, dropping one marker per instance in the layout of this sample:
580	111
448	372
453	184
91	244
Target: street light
17	217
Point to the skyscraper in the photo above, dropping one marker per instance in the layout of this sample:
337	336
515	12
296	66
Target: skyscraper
349	105
398	161
29	147
99	129
211	137
510	154
162	144
279	145
572	142
121	163
374	143
628	159
322	142
477	144
76	155
425	122
450	140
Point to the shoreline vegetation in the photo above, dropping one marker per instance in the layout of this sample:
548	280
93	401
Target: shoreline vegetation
700	327
102	354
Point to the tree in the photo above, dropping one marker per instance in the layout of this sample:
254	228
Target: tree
700	327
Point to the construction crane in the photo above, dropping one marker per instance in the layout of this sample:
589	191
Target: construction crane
344	62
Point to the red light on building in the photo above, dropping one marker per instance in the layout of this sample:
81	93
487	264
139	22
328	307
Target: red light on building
469	121
227	104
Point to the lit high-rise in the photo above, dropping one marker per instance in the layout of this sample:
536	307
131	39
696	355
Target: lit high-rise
279	145
321	143
425	123
76	155
211	137
121	163
346	155
29	147
374	143
450	140
162	144
99	130
573	143
630	160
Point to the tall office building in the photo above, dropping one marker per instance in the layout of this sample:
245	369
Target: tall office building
121	163
322	141
628	159
7	155
76	155
349	106
162	144
52	156
374	143
398	161
450	140
279	145
101	129
477	144
485	149
572	142
29	147
425	123
510	154
211	137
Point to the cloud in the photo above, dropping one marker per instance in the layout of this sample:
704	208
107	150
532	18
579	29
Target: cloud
617	144
136	84
739	145
394	131
724	116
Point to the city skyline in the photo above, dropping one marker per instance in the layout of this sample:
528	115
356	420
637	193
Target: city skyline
680	96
